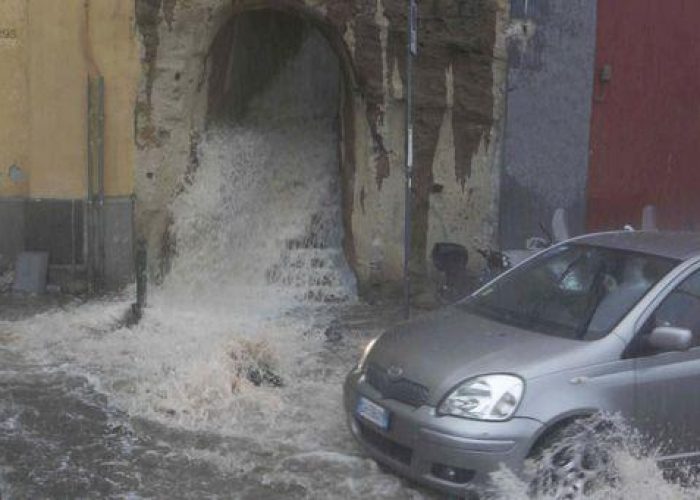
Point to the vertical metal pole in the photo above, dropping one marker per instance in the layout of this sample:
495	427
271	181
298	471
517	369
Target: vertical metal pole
411	52
141	268
95	181
72	239
89	195
100	251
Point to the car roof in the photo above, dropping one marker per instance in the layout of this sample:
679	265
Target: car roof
671	244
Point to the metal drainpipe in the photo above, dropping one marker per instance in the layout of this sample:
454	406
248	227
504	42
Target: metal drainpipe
101	182
72	239
95	185
89	225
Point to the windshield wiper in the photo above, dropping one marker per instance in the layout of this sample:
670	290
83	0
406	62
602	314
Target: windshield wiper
594	300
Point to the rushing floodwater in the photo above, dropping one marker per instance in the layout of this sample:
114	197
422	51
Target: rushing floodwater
171	408
228	387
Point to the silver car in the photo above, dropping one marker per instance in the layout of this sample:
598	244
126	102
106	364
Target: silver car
606	322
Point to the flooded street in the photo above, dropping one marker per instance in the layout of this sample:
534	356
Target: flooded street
215	213
92	409
230	386
71	427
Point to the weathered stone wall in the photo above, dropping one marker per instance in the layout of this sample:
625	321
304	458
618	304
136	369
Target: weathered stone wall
459	79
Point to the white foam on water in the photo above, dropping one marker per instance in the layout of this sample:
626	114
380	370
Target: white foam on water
258	233
261	224
258	256
258	237
638	478
629	469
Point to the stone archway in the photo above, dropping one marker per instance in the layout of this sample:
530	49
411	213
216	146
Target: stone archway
223	89
263	69
459	79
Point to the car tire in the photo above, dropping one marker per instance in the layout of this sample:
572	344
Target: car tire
574	459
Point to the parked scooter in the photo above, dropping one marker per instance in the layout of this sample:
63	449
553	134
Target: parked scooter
497	262
451	260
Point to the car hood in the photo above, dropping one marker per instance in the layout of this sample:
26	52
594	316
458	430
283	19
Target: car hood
442	349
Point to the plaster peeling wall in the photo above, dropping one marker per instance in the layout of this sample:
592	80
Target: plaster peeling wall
369	38
466	213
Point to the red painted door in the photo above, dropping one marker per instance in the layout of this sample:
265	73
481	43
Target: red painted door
645	123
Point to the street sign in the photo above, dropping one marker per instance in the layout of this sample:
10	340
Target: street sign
413	27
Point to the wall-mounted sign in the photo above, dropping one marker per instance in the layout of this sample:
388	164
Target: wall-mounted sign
413	27
8	36
8	33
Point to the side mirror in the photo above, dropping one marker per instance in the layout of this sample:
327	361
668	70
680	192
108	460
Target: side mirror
670	338
649	218
560	226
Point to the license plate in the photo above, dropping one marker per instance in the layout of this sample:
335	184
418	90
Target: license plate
373	412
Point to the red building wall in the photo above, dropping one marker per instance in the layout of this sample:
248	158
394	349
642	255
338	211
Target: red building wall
645	123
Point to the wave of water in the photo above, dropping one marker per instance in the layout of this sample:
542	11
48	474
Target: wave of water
618	464
232	344
261	220
258	234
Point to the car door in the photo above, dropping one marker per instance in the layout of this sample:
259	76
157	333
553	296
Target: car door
667	384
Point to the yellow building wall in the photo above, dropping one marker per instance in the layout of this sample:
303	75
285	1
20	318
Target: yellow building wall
14	126
112	36
57	73
43	93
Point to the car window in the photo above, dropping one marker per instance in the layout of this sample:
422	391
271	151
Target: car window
680	308
574	291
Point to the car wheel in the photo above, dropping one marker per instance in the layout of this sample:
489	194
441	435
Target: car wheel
573	460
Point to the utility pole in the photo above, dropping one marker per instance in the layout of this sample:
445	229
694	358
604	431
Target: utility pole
411	52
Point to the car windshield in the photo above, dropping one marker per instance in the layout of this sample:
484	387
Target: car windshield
573	291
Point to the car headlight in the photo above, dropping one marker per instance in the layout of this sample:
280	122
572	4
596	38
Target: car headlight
488	397
365	353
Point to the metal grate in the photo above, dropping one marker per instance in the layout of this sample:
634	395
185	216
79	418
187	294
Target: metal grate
385	445
402	390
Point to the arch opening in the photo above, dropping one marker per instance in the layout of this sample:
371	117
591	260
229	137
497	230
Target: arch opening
269	202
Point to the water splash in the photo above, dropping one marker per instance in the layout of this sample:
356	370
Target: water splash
262	221
600	458
231	348
232	344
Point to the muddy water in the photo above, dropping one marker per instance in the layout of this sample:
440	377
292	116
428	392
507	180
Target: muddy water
91	409
229	386
66	430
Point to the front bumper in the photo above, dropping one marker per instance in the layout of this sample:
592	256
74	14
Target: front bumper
450	454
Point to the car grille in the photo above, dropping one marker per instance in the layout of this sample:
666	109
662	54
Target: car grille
402	390
385	445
